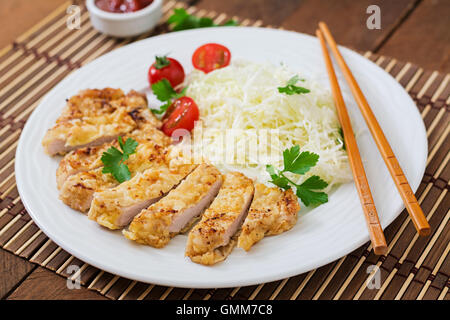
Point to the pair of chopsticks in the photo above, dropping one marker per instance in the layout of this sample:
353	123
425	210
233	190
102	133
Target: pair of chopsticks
412	206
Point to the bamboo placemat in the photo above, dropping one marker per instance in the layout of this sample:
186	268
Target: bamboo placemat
414	268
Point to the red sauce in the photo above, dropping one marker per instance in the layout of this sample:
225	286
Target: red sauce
122	6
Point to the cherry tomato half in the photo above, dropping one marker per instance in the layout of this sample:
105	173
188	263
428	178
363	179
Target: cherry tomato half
181	114
211	56
166	68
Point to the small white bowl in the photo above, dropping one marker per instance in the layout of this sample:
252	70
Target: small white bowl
125	24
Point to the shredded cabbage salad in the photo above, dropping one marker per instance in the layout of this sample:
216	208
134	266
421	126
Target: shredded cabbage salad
244	96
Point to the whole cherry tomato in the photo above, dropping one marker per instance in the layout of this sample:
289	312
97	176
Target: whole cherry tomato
166	68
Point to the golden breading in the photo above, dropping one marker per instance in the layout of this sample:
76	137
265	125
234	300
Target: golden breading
272	212
77	191
89	158
79	126
156	225
81	160
92	103
115	208
209	241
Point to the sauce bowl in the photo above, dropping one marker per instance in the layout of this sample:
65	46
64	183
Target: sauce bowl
125	24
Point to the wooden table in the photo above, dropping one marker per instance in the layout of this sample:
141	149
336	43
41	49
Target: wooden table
411	30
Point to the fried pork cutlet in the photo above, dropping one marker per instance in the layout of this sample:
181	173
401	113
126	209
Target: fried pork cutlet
115	208
273	211
210	241
95	117
91	103
78	189
81	160
166	218
89	158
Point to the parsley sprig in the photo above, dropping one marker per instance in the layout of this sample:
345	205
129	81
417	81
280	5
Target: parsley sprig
165	93
291	88
113	159
182	20
300	163
161	62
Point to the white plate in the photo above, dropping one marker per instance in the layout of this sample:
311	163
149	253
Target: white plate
321	235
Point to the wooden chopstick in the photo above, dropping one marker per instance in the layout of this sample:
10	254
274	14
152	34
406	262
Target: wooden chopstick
415	212
359	175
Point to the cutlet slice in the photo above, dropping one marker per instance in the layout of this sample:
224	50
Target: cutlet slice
89	158
80	127
210	241
166	218
99	102
115	208
78	189
273	211
91	103
81	160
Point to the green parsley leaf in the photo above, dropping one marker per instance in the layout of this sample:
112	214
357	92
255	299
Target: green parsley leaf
278	180
165	93
120	172
110	158
315	183
179	15
205	22
181	20
113	159
162	109
128	148
299	163
230	23
161	62
311	198
291	88
289	156
163	90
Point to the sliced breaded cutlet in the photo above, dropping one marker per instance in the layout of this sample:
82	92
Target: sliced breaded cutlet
273	211
89	158
81	160
78	189
110	116
91	103
166	218
115	208
210	241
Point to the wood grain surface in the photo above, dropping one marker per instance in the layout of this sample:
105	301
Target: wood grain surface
423	38
17	16
43	284
347	19
13	270
270	11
